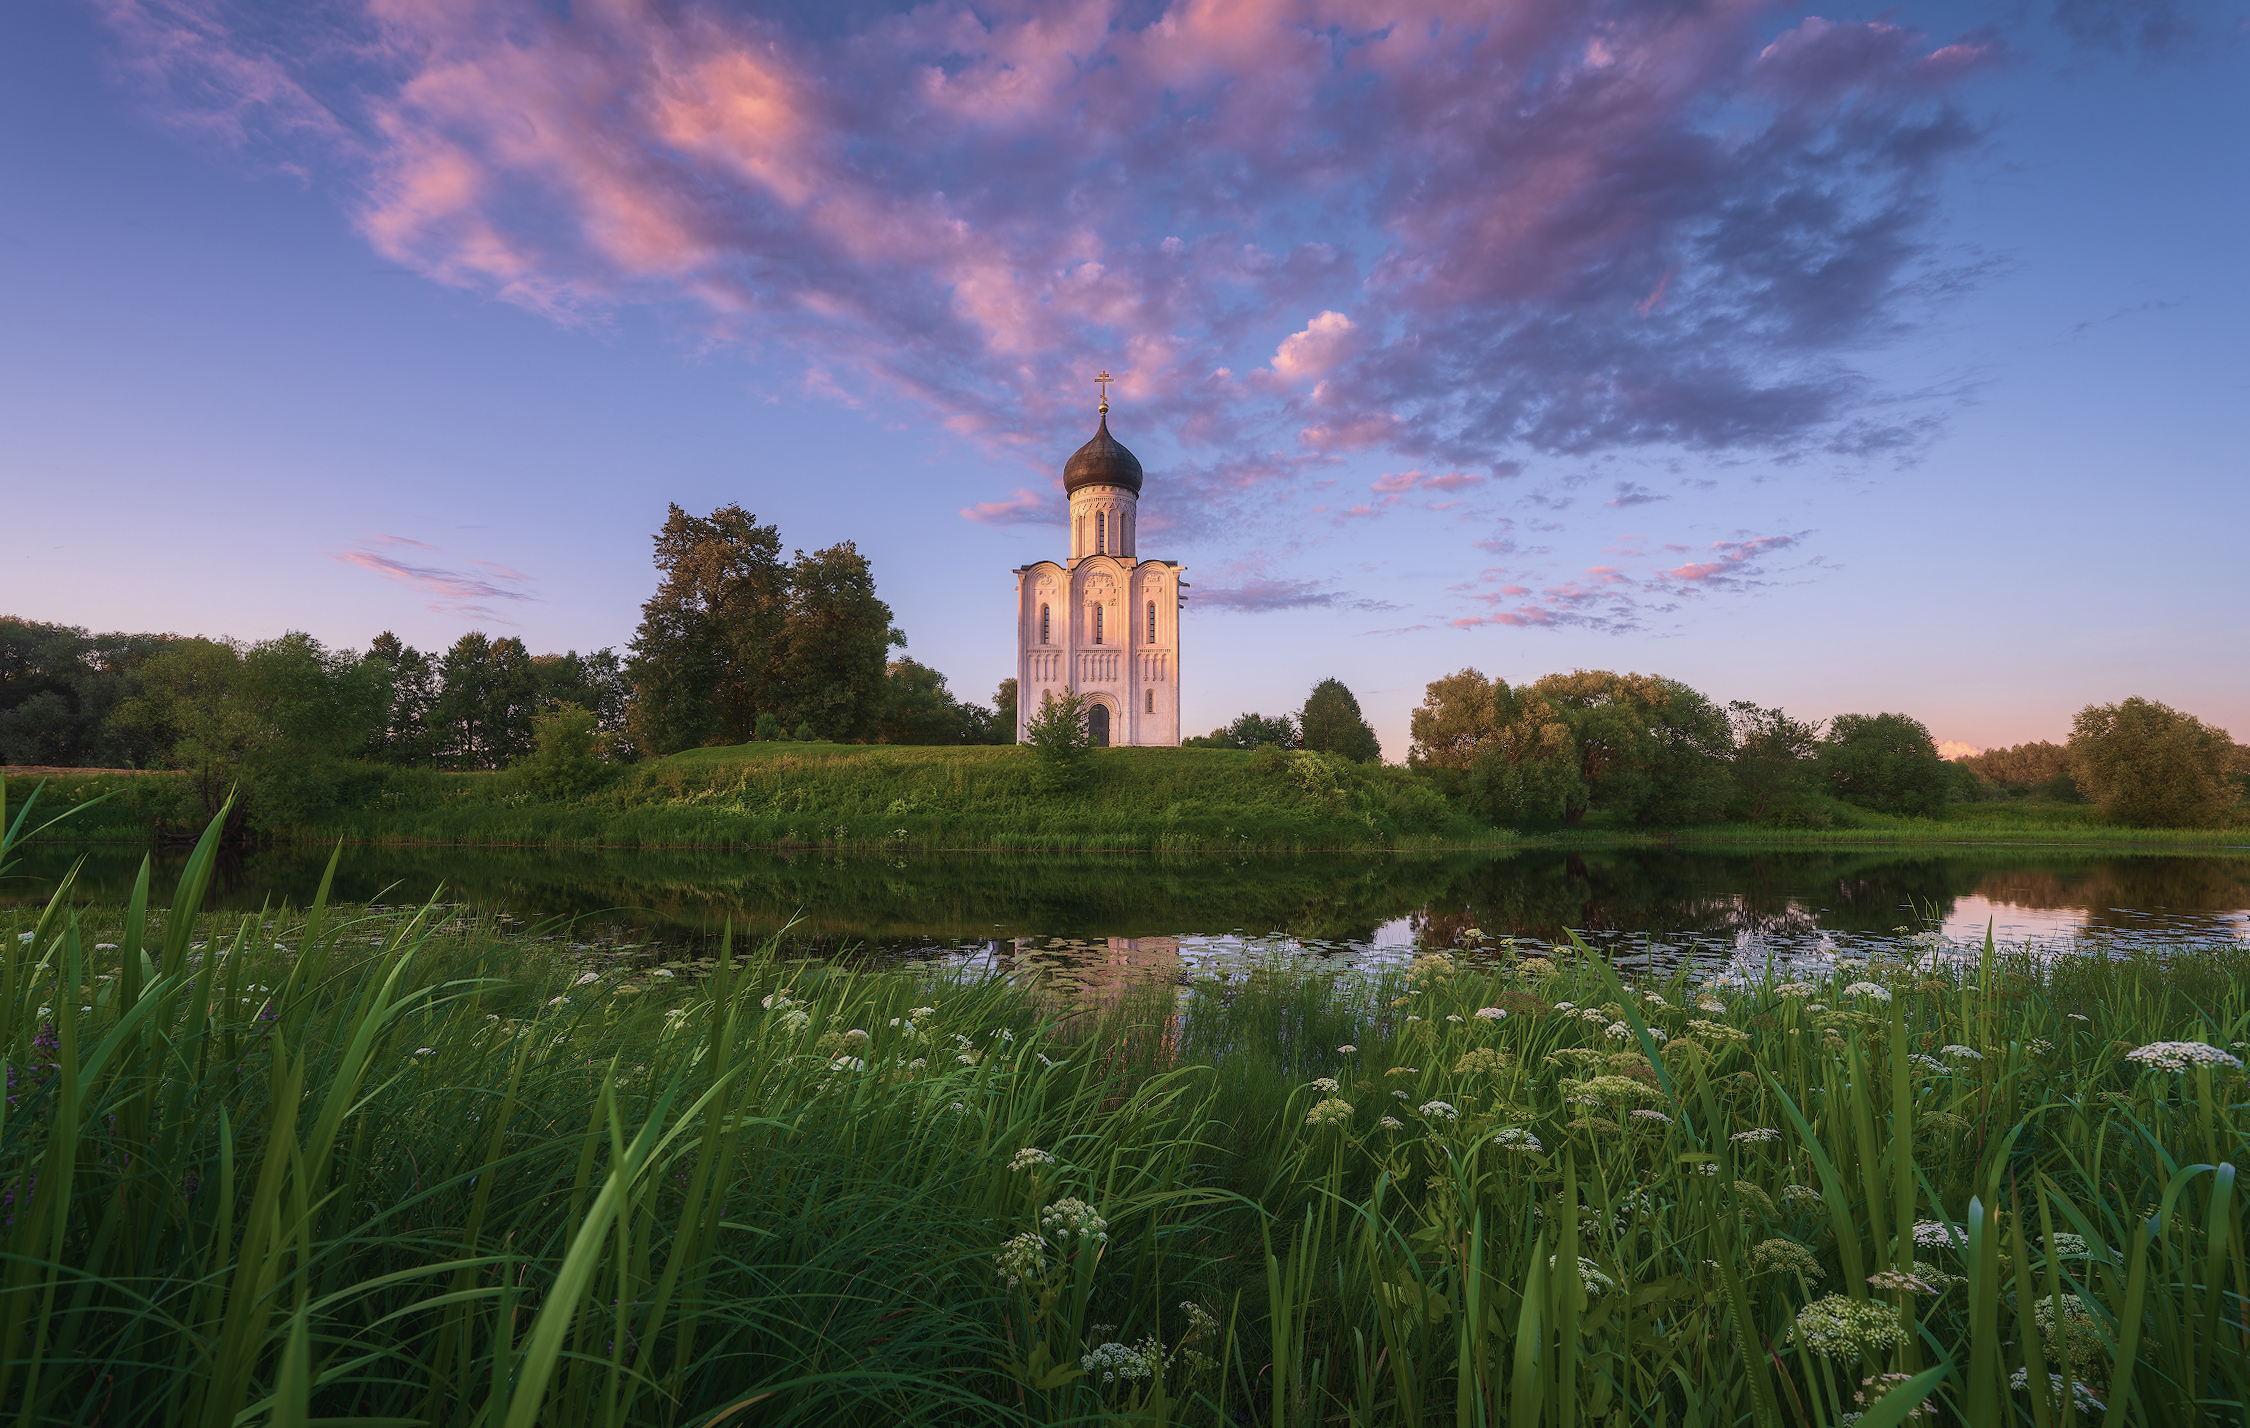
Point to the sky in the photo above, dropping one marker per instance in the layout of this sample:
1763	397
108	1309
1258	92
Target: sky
1837	359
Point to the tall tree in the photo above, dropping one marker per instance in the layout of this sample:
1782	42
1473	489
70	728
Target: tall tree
705	658
405	736
917	707
58	687
836	642
1885	762
2149	765
1650	750
1525	769
1331	723
1773	762
1458	712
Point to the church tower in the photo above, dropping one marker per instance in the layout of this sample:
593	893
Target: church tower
1107	622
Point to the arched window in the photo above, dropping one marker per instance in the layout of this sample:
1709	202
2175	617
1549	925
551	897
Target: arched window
1043	626
1097	624
1101	536
1152	622
1152	701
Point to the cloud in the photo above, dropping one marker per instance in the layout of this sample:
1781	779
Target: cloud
1955	749
1617	599
1731	564
1259	594
1552	227
1022	508
464	593
2153	30
1632	494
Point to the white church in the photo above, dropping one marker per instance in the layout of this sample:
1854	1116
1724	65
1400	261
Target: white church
1107	623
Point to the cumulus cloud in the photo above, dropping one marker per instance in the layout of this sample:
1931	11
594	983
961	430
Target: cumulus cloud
1955	749
468	593
1554	227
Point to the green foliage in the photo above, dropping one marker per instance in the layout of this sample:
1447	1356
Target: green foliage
1886	762
1250	731
769	728
1650	750
1775	777
2021	767
565	761
1525	770
276	718
58	687
734	631
919	709
397	1165
1457	714
805	734
1003	729
1059	737
2148	765
1331	723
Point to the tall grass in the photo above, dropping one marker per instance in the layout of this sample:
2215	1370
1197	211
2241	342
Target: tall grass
394	1167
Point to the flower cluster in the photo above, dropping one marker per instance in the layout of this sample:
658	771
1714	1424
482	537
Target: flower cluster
1898	1281
1330	1112
1518	1139
1873	1390
1030	1158
1961	1053
1326	1085
1439	1110
1590	1277
1021	1260
1113	1361
1489	1013
1936	1234
792	1013
1786	1257
1868	989
1836	1327
2180	1055
1066	1218
1757	1135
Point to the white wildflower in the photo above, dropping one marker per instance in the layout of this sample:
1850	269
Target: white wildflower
1390	1123
1413	1018
1590	1276
1030	1159
1793	989
1566	1006
1066	1218
1489	1013
1868	989
1617	1031
1518	1139
1020	1260
1114	1361
1961	1053
1326	1085
1346	1049
1439	1110
1756	1135
1330	1112
586	977
2180	1055
1645	1114
1936	1234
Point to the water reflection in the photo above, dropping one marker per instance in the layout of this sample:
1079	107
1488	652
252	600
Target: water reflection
1108	920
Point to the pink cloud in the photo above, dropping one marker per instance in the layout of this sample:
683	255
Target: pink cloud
1022	508
454	591
1512	230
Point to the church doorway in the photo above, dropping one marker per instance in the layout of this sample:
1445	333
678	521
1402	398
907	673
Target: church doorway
1097	724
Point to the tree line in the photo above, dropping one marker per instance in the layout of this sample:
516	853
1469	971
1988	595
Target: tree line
1647	751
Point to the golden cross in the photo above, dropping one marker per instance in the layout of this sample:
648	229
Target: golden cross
1104	380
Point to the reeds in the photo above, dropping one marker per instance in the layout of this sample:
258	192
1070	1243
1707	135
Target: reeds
350	1165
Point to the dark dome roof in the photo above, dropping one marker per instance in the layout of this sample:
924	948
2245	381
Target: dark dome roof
1103	462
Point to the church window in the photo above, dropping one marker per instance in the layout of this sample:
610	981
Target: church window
1097	624
1043	626
1152	622
1101	536
1152	701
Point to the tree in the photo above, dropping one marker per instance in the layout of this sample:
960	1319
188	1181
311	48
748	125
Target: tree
1058	734
705	659
2021	767
917	707
837	640
405	736
1650	749
58	687
1331	723
1885	762
1004	712
274	717
1458	712
2148	765
1773	763
1526	769
769	728
488	695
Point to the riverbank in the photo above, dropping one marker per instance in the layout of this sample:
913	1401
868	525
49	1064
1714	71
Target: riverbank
917	799
524	1181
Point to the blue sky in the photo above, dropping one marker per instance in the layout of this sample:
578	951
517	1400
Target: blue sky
1843	360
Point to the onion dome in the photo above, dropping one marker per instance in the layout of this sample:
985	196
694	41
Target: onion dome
1103	462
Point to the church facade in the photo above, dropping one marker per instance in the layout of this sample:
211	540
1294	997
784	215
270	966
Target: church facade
1107	622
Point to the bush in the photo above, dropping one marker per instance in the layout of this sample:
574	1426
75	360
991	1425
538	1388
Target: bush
565	759
1885	762
1059	734
2150	766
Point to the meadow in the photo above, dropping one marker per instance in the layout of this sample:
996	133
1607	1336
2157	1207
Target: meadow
398	1165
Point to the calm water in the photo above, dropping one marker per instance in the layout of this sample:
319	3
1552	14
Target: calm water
1125	911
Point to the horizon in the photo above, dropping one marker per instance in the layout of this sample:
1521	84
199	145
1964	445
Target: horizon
1847	360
